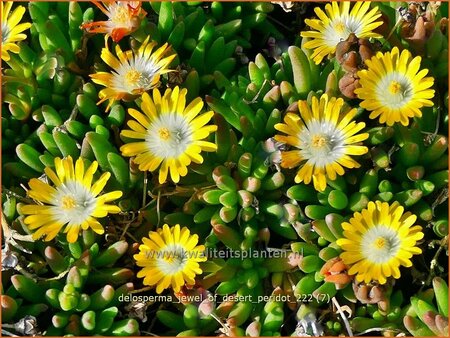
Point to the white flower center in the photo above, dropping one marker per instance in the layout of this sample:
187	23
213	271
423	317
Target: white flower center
340	28
169	135
137	74
394	90
73	202
379	244
5	32
172	259
321	143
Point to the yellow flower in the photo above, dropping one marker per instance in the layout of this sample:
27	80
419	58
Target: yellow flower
169	258
73	203
133	73
170	134
11	31
337	24
124	17
378	241
393	88
324	138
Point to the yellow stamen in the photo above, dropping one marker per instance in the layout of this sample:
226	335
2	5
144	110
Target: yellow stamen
380	243
174	259
68	202
164	133
121	16
395	87
132	77
339	27
318	141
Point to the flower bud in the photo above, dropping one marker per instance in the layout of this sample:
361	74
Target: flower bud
55	260
9	308
206	307
335	271
347	85
253	329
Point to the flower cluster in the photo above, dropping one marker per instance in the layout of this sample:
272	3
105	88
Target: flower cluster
147	152
171	132
392	87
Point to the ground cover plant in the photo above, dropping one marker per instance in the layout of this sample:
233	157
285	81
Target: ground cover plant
224	168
